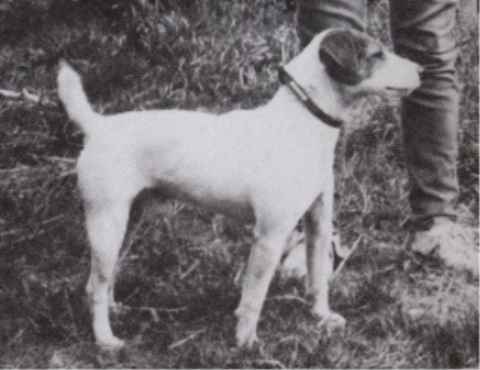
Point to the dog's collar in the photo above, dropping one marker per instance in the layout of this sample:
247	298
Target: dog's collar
287	80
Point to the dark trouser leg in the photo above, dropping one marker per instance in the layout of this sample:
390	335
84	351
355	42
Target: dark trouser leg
315	16
422	31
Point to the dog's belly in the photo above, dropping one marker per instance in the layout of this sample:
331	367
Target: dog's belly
231	203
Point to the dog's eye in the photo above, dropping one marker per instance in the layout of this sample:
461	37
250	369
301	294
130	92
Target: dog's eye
379	54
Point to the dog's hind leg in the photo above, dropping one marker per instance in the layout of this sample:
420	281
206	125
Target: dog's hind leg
106	226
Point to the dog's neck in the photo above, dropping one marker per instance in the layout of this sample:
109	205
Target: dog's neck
307	70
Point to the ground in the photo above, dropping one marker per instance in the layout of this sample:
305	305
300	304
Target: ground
178	283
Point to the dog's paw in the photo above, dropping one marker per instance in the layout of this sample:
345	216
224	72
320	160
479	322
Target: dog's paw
111	343
332	322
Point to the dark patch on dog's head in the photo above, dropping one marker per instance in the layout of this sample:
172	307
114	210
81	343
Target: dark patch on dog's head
349	56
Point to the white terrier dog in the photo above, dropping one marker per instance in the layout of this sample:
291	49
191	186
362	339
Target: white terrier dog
271	165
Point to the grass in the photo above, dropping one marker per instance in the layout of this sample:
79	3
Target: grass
178	282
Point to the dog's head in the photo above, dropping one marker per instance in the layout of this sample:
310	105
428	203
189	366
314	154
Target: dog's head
355	60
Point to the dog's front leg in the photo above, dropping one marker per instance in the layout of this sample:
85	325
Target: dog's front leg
263	260
318	232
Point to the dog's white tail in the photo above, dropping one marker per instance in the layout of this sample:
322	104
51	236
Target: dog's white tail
73	97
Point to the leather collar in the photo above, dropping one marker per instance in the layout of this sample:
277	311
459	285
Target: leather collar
286	79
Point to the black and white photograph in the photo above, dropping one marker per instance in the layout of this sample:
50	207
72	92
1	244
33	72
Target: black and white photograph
239	184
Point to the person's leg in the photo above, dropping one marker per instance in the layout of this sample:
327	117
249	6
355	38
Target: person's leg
423	31
314	16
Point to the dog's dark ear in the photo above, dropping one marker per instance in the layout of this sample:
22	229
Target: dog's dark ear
343	52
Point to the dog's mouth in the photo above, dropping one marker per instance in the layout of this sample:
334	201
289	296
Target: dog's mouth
400	90
395	94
